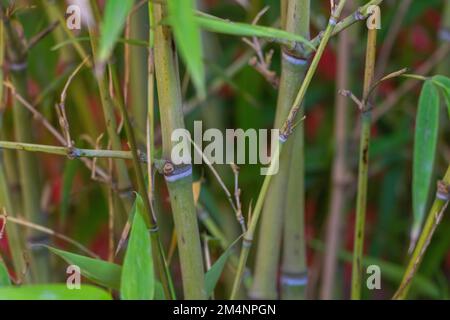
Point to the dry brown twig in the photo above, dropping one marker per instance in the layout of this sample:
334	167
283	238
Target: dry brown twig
6	218
262	62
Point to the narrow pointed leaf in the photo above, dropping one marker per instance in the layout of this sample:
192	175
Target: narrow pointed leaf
114	19
4	275
101	272
53	292
138	279
213	274
218	25
426	135
444	84
188	39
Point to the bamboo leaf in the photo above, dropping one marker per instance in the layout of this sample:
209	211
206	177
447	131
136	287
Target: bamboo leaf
188	39
138	279
114	19
425	141
213	274
101	272
53	292
218	25
4	275
444	84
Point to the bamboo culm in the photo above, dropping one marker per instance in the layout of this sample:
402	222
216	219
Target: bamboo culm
180	190
363	172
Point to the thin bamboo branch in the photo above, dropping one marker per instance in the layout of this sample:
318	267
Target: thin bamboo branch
24	223
435	215
363	166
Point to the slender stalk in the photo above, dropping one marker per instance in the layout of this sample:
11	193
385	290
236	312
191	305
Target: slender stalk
293	267
363	166
15	241
434	218
71	153
286	130
123	180
279	194
29	176
339	171
138	75
180	190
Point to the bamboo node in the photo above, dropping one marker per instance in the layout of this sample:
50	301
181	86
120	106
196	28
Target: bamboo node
73	153
295	60
444	34
174	173
154	229
294	279
17	66
38	241
443	191
359	15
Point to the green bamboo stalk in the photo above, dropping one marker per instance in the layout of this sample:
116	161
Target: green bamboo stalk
180	190
29	176
138	75
279	197
366	123
294	267
434	217
15	241
286	131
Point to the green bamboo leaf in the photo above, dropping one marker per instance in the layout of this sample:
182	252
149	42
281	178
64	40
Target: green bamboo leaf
218	25
4	275
425	141
101	272
53	292
114	19
444	84
214	273
138	279
188	39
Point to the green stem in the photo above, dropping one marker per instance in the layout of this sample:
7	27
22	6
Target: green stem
363	167
29	176
123	180
433	220
285	131
293	266
180	190
15	241
280	196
